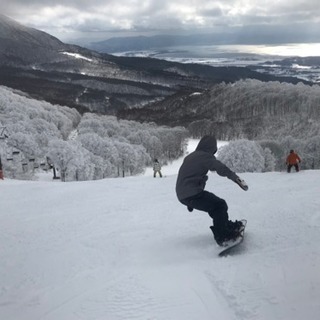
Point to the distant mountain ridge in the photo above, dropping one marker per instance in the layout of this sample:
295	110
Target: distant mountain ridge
236	36
120	44
47	69
21	45
14	31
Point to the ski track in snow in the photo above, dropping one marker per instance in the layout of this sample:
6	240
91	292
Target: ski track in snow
127	249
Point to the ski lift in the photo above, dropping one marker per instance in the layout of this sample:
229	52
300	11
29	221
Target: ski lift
10	159
3	134
31	159
16	152
24	166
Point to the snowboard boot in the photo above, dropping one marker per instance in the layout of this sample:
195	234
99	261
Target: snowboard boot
217	236
234	225
222	236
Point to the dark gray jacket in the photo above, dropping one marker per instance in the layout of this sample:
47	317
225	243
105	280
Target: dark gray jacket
192	175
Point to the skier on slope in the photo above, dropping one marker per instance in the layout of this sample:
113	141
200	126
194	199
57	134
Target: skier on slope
191	183
156	168
293	160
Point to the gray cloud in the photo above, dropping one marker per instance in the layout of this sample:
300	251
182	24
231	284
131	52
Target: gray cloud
100	18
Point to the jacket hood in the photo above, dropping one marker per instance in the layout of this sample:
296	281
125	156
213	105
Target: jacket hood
208	144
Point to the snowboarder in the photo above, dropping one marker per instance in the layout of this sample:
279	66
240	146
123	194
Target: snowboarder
156	168
293	160
191	183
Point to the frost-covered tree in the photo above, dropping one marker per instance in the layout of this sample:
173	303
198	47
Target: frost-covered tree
83	168
172	140
102	167
91	124
269	160
243	156
103	146
25	143
132	159
155	147
142	159
99	135
31	124
65	155
289	143
277	152
254	109
311	153
141	137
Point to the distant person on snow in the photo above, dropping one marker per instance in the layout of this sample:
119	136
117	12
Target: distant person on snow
293	160
191	183
1	172
156	168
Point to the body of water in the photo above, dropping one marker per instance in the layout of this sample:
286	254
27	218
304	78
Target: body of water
256	56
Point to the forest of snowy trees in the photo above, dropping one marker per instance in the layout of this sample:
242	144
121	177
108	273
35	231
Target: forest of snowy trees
269	155
274	116
35	134
254	110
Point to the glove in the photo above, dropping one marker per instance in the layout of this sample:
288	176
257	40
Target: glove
242	184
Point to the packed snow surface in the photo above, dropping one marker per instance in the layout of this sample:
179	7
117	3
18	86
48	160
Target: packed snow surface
126	249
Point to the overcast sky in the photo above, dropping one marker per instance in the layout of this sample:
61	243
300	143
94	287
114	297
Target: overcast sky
71	19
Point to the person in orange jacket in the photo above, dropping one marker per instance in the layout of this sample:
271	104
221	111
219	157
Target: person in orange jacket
293	160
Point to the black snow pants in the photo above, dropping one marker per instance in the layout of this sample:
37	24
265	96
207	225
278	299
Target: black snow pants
216	207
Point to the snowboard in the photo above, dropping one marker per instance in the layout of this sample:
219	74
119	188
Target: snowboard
229	247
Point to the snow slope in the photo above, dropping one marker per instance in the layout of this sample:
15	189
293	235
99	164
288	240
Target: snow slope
125	249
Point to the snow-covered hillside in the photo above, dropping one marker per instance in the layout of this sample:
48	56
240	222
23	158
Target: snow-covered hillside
125	249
